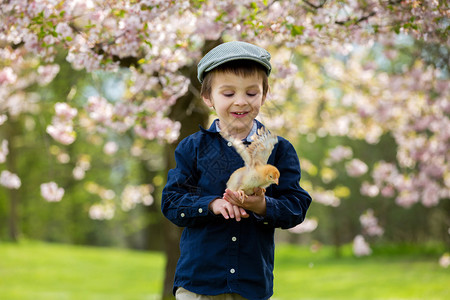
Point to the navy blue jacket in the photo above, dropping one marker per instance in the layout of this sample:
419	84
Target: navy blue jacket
225	256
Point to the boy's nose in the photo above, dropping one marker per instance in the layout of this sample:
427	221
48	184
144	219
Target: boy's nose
239	100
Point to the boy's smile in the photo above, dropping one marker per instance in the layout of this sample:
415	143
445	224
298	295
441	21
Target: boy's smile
237	101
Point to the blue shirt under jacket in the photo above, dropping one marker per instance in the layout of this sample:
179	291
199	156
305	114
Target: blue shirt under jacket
225	256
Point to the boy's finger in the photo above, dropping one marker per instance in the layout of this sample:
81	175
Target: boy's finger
244	213
237	213
224	211
230	210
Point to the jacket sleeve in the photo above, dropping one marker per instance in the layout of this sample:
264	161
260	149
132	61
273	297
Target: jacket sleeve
181	201
288	202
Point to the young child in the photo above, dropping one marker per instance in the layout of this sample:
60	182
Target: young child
227	247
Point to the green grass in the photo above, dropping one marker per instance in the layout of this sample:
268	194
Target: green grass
391	273
34	270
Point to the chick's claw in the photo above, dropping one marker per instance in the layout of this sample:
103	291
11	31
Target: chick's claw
242	196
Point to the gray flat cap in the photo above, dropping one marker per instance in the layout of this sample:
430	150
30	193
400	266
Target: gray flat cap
232	51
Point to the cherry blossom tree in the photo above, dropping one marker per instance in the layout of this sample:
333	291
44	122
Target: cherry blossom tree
158	43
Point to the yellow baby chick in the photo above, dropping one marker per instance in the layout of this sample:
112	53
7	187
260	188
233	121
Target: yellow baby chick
256	173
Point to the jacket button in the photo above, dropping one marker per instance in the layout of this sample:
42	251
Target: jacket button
200	210
182	215
232	271
234	239
230	144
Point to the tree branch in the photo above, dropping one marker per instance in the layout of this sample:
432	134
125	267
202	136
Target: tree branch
356	21
314	5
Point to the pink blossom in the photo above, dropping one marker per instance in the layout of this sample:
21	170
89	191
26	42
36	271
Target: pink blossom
78	173
64	111
31	43
388	191
444	261
360	246
100	109
430	194
327	198
356	168
110	148
64	30
47	73
63	157
339	153
7	76
368	189
10	180
159	128
308	225
62	133
135	194
384	171
51	192
3	119
370	224
61	128
101	212
407	198
3	151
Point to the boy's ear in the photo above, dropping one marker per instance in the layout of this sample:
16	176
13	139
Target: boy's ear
208	102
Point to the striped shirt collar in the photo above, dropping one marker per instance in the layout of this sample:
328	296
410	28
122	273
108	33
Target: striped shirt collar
249	136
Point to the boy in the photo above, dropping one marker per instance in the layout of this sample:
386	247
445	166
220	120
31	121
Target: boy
227	247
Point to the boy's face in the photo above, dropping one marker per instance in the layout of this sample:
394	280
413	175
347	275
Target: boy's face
237	101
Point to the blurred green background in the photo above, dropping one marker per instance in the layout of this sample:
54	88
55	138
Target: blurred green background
354	98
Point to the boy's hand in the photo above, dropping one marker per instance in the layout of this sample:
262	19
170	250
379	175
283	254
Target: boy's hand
255	202
227	210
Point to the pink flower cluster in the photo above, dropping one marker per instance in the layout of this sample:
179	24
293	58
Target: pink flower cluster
82	166
47	73
61	128
51	192
356	168
411	189
136	194
370	224
158	127
3	151
10	180
101	212
360	246
339	153
308	225
444	260
326	197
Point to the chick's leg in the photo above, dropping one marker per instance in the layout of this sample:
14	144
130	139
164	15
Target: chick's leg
242	196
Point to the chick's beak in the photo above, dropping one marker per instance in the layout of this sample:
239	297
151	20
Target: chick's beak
276	181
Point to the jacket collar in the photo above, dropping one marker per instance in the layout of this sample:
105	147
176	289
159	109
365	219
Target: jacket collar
214	130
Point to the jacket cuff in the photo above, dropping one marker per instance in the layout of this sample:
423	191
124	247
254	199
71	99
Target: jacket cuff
199	209
268	219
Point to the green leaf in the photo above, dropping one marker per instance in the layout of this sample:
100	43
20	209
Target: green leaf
297	30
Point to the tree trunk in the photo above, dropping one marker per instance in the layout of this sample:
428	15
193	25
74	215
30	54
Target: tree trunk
191	112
